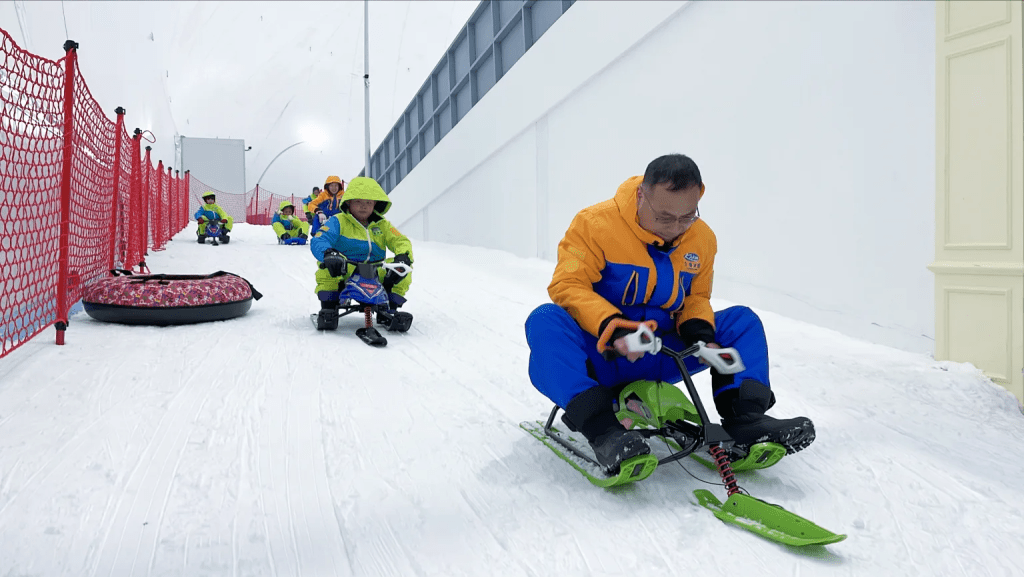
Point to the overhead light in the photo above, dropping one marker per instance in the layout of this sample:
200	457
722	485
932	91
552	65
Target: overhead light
314	135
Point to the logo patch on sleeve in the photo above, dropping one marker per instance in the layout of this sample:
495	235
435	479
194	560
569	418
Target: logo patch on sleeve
573	264
692	261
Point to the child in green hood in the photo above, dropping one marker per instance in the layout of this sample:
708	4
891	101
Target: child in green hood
361	233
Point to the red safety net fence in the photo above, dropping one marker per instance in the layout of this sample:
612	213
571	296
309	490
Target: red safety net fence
263	204
232	203
76	196
257	206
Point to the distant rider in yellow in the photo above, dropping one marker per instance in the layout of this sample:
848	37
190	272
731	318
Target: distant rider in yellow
289	229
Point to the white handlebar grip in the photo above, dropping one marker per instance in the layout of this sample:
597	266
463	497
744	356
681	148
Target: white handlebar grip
725	361
400	268
643	340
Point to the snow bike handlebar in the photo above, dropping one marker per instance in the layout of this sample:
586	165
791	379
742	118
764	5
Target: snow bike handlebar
643	340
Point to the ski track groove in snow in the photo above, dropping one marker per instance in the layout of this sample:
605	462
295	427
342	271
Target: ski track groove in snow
59	455
163	505
258	446
165	438
288	494
338	520
254	441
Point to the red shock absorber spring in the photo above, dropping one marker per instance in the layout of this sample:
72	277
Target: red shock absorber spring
368	314
724	469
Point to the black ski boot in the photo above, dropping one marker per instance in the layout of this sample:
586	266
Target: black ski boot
395	321
201	239
392	319
743	417
617	445
224	238
590	413
327	318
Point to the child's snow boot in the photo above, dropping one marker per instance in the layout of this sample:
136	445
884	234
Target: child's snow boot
392	319
395	321
327	318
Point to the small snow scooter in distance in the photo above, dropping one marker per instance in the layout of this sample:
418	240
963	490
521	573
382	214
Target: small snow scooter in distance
662	410
213	231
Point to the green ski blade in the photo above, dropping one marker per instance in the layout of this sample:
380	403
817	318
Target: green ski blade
761	456
769	521
631	470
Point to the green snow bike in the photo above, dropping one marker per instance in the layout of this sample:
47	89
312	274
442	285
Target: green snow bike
662	410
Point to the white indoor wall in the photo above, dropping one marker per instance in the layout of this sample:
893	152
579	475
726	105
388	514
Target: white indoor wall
507	221
813	125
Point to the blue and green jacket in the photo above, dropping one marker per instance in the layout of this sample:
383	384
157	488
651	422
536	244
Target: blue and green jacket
356	242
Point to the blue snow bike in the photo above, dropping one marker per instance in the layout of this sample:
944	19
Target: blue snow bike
214	231
363	293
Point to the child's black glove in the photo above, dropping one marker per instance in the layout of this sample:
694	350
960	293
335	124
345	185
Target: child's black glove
285	236
335	262
403	259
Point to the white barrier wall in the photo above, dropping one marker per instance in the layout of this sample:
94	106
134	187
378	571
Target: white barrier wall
812	123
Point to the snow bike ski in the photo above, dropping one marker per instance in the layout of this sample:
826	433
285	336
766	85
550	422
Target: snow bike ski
662	410
363	293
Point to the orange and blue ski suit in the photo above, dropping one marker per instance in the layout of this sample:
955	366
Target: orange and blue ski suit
608	267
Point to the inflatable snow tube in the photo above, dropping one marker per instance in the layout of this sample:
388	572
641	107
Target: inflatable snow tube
168	299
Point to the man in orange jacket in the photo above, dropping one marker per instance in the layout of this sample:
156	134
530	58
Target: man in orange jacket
647	255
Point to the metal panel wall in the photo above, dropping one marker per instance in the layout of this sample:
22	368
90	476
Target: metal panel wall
496	36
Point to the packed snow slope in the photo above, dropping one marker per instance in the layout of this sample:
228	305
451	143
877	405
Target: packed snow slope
258	446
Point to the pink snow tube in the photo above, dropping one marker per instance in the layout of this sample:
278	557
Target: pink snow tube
167	299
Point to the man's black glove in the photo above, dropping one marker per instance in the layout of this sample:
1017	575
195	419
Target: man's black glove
285	236
696	329
403	259
336	263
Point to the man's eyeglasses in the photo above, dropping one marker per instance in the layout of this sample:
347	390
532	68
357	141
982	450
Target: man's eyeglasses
685	220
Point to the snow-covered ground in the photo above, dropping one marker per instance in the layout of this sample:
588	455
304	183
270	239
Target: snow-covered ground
258	446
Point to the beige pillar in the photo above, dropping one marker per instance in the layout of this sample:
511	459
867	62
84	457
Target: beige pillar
979	208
